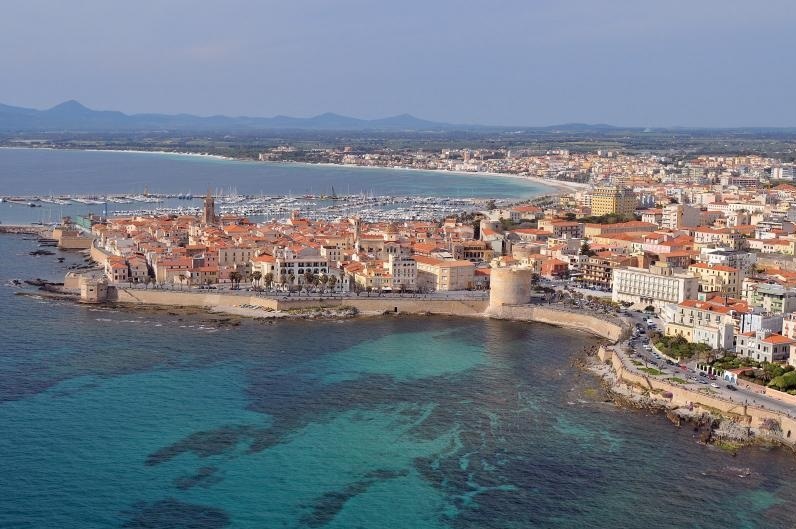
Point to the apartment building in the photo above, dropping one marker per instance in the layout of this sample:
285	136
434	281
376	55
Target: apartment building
705	322
444	275
717	278
614	200
764	346
598	271
771	297
676	216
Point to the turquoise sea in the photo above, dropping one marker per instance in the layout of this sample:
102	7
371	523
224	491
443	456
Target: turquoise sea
115	418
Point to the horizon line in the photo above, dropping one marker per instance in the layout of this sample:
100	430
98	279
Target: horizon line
451	125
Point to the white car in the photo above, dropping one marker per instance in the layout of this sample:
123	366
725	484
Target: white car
714	385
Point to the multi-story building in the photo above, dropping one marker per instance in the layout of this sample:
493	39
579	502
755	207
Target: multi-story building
707	322
613	200
116	269
444	275
676	216
717	278
474	251
403	271
739	259
598	271
722	237
756	319
771	297
656	286
562	228
764	346
289	266
789	325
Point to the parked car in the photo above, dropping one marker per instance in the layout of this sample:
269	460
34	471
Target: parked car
713	384
731	387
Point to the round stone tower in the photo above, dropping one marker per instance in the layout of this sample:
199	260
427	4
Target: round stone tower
509	286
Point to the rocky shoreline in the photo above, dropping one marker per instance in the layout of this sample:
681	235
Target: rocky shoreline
52	291
709	427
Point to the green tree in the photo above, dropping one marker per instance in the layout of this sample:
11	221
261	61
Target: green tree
785	382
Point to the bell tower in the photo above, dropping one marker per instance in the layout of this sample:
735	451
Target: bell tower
209	214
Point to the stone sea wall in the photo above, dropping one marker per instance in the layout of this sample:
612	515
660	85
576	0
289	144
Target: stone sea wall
612	331
362	304
744	414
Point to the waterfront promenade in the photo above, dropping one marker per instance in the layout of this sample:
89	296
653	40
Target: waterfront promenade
772	419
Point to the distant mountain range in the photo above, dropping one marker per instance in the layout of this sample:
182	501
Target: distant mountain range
71	116
74	117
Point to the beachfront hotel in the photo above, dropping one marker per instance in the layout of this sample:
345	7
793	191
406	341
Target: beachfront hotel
656	286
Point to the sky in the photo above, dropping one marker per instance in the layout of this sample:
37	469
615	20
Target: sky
712	63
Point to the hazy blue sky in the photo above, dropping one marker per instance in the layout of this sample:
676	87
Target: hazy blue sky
523	62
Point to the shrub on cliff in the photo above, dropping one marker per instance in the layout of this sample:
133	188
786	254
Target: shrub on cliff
785	382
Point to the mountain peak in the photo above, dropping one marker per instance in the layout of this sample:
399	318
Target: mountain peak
70	106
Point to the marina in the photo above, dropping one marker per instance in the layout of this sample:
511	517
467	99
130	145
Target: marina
259	207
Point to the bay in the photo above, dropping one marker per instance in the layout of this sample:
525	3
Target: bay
117	418
47	171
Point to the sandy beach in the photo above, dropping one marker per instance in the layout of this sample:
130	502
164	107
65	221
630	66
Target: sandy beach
558	185
133	151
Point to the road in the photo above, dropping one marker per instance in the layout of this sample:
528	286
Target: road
741	395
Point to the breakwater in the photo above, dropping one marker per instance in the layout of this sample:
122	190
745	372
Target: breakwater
25	229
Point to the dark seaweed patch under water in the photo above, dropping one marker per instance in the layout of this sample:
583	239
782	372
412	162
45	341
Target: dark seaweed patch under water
125	419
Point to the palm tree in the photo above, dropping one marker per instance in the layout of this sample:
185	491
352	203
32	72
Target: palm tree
235	277
309	277
181	277
256	276
332	281
269	279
